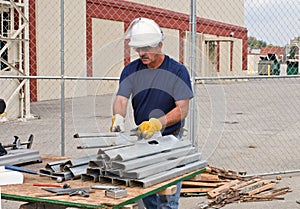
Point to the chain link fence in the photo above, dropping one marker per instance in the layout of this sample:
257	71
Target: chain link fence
60	63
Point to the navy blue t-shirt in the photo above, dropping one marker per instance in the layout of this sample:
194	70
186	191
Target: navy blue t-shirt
154	91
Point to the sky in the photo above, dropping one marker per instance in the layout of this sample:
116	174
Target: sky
273	21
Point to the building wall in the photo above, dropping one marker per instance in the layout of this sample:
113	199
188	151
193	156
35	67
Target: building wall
108	51
253	60
48	45
227	11
94	42
107	48
94	46
225	56
211	9
171	43
237	58
12	99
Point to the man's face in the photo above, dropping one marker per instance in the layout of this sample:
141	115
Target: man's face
149	55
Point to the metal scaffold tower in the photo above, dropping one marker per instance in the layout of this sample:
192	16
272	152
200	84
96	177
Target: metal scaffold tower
14	56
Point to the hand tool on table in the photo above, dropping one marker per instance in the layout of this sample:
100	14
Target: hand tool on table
64	186
116	192
25	170
82	191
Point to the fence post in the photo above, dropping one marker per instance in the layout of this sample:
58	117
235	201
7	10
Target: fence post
62	57
193	68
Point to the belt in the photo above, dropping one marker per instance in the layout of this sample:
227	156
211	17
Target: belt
176	132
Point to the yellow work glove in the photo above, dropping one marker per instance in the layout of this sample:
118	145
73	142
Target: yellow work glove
117	123
147	128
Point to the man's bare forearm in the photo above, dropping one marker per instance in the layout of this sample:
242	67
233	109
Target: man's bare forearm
120	105
175	115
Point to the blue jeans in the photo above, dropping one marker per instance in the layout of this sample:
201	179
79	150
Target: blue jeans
156	201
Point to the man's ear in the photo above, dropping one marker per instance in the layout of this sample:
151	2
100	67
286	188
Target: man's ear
159	47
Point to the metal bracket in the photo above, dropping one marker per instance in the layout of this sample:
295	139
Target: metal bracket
17	144
116	192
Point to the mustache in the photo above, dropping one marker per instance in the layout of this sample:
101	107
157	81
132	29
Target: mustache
144	57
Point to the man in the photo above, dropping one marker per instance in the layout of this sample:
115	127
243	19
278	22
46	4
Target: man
160	89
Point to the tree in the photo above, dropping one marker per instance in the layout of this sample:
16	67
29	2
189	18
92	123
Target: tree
253	43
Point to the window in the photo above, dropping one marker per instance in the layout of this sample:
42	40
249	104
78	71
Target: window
4	24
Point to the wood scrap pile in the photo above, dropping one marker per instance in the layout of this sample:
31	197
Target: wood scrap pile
222	187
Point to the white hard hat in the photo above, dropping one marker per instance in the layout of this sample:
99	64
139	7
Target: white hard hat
144	32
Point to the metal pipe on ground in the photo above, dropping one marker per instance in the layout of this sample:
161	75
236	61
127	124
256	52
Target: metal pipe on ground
272	173
25	170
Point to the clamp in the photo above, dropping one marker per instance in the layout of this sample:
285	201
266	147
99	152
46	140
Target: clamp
116	192
82	191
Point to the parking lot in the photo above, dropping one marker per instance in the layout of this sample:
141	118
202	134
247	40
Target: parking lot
248	125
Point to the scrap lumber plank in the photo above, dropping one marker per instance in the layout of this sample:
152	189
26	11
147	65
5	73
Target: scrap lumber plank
253	186
272	193
193	194
201	184
243	184
228	195
232	199
222	188
207	169
254	199
197	190
263	188
229	174
205	177
168	191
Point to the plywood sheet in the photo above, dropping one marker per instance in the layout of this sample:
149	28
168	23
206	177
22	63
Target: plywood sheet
29	193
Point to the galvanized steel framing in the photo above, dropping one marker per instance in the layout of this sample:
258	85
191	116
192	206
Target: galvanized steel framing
144	163
152	159
144	148
164	176
19	156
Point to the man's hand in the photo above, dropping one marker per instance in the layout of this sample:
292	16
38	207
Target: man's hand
117	123
147	128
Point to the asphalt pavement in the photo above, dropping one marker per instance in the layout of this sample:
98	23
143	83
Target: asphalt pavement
245	144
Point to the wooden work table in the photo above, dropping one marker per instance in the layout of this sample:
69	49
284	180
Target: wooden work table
26	192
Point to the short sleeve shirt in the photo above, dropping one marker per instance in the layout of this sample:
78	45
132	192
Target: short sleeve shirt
155	91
